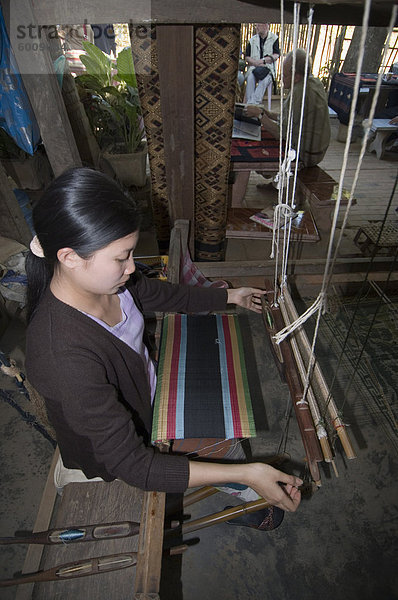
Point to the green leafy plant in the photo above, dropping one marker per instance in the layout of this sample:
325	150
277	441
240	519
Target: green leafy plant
109	93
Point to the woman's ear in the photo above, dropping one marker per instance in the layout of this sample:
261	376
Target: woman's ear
69	258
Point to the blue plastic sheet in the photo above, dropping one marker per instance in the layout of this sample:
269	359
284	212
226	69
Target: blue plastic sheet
16	114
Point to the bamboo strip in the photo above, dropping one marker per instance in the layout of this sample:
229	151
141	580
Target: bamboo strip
315	412
318	375
219	517
302	411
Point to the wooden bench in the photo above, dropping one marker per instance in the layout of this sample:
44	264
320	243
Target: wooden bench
369	239
90	503
382	130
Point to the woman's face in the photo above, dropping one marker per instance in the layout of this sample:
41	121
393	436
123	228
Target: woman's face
108	268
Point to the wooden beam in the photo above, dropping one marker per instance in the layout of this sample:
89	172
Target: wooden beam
31	50
49	12
333	12
176	73
150	544
236	268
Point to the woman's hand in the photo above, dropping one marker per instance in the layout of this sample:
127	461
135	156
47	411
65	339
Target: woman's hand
278	488
275	486
393	121
246	297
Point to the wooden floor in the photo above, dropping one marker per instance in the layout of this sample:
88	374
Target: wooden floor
373	190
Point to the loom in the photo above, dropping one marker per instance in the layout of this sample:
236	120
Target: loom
319	420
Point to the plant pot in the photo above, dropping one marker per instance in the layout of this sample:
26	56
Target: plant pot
31	173
130	169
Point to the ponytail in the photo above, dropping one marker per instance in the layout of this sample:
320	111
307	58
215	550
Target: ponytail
39	273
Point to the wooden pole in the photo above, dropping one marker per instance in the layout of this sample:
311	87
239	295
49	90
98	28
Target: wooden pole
318	375
303	415
176	78
30	45
316	416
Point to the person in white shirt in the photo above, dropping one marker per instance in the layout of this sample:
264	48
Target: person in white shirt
261	54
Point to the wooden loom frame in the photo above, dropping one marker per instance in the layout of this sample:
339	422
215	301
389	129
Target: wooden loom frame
290	356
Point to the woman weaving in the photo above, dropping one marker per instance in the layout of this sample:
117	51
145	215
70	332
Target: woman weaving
85	349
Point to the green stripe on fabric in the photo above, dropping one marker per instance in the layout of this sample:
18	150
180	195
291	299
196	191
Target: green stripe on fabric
249	408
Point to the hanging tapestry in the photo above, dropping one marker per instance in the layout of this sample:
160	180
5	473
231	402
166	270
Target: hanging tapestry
202	389
216	67
145	56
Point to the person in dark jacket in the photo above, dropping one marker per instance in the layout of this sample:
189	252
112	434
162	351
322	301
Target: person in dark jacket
85	349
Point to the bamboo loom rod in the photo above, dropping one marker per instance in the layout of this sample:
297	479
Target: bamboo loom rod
302	411
315	412
317	373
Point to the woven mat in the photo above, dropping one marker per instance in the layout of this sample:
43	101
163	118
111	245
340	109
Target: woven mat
388	238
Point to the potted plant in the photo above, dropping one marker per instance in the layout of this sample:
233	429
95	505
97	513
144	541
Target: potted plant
110	96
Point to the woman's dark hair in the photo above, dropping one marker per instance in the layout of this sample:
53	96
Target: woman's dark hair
81	209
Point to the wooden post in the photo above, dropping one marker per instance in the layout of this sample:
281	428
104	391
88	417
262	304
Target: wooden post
175	51
30	45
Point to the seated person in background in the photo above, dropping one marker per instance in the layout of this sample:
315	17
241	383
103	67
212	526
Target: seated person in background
315	135
262	52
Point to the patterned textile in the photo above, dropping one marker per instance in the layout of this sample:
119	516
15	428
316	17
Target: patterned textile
202	388
146	65
252	151
342	89
216	66
191	275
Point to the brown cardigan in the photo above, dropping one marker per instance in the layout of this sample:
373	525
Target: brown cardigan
96	390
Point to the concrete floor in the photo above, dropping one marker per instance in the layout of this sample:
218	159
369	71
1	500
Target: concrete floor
341	543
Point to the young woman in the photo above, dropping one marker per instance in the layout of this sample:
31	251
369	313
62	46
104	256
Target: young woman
86	352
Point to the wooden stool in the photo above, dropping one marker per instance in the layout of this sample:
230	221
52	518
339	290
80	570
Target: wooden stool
367	239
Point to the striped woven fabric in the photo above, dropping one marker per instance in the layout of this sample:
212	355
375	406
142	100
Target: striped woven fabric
202	388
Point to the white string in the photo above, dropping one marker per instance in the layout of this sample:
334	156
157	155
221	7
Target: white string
319	305
364	30
367	125
275	245
283	333
284	167
287	239
307	60
326	277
